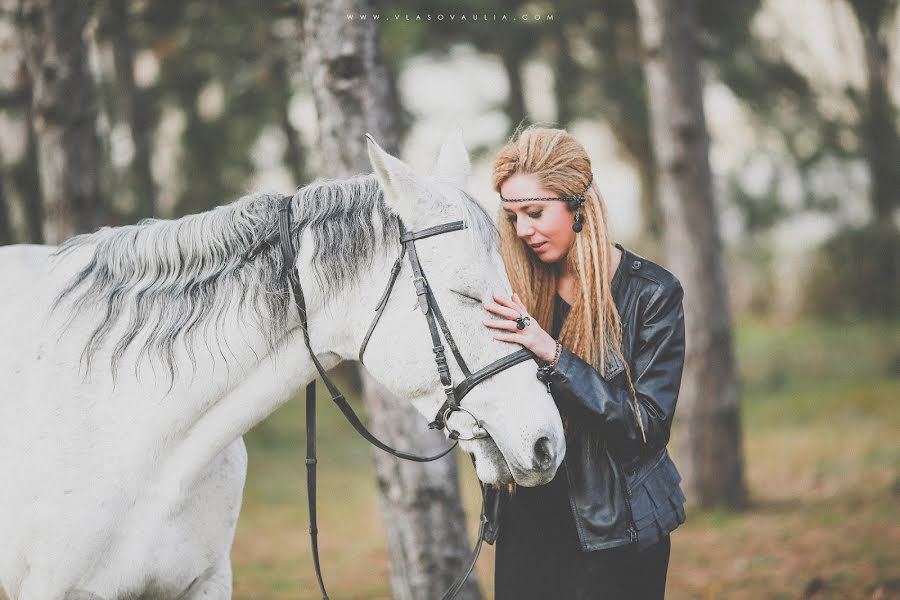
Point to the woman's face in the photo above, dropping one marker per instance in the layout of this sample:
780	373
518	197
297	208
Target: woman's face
545	227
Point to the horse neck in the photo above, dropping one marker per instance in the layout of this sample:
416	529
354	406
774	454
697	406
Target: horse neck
253	392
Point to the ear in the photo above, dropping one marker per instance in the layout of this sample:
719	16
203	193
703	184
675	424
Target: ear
453	163
402	188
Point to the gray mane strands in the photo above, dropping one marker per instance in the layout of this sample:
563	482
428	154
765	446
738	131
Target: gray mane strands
176	278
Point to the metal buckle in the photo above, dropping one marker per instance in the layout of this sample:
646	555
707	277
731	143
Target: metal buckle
478	430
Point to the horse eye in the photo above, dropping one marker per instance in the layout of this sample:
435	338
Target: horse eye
467	296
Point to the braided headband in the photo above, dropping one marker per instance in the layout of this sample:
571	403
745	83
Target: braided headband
576	198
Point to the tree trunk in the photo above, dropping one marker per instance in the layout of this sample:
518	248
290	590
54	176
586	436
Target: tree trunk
636	143
881	140
21	176
421	506
29	183
6	233
565	80
515	102
708	426
136	109
293	155
420	503
64	114
11	96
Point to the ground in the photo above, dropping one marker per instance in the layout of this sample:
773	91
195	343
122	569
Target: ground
822	445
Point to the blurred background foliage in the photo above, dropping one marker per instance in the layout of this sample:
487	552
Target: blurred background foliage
203	101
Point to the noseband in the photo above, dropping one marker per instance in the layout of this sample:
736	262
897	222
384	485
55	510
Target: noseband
453	393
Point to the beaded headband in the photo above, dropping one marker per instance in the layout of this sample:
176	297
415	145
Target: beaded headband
575	201
579	198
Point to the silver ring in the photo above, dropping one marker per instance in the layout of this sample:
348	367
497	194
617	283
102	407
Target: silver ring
522	322
478	430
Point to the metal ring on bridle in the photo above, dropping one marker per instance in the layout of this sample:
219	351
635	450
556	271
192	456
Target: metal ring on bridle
522	322
478	431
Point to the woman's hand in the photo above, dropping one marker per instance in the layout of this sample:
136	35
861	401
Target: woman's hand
532	337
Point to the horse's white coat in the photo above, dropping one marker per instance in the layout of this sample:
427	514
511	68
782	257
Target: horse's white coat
134	490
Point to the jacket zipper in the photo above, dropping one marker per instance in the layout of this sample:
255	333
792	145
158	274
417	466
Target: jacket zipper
632	530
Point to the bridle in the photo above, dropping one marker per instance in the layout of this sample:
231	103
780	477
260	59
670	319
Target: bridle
436	325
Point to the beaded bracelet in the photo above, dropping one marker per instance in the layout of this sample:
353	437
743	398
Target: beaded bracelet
545	371
555	361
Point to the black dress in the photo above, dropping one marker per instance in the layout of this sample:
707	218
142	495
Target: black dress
538	545
539	556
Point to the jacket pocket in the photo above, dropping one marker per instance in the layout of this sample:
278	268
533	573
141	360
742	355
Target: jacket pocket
657	502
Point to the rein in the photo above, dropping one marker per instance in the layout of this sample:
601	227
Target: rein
454	394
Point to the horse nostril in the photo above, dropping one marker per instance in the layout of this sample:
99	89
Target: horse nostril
543	454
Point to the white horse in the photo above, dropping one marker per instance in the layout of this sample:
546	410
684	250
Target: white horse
133	359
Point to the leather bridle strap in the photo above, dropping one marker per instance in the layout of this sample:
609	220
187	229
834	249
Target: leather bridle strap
336	395
287	251
461	581
382	302
408	239
495	367
435	321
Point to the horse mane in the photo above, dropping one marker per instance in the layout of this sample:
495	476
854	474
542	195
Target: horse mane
176	278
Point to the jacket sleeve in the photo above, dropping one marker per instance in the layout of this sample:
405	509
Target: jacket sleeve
657	364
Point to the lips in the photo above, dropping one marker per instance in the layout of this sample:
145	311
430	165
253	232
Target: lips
536	246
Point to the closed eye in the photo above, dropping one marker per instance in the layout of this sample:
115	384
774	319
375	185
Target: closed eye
467	297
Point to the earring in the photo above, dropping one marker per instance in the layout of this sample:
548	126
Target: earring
575	204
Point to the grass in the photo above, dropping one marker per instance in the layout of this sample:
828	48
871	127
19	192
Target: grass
822	447
822	442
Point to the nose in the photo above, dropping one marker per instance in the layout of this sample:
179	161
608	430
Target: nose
544	456
524	228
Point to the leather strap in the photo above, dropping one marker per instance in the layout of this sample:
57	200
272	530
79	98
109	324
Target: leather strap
408	236
442	323
474	379
311	480
501	364
454	394
461	581
311	460
336	395
382	302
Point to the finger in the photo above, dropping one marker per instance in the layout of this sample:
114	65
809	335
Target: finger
518	304
506	313
510	337
505	325
511	305
503	301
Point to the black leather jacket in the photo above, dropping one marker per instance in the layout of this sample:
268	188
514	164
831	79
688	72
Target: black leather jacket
621	489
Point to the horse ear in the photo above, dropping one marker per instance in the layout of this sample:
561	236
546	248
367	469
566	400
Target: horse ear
453	163
400	185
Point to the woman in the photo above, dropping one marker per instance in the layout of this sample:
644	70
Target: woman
607	326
